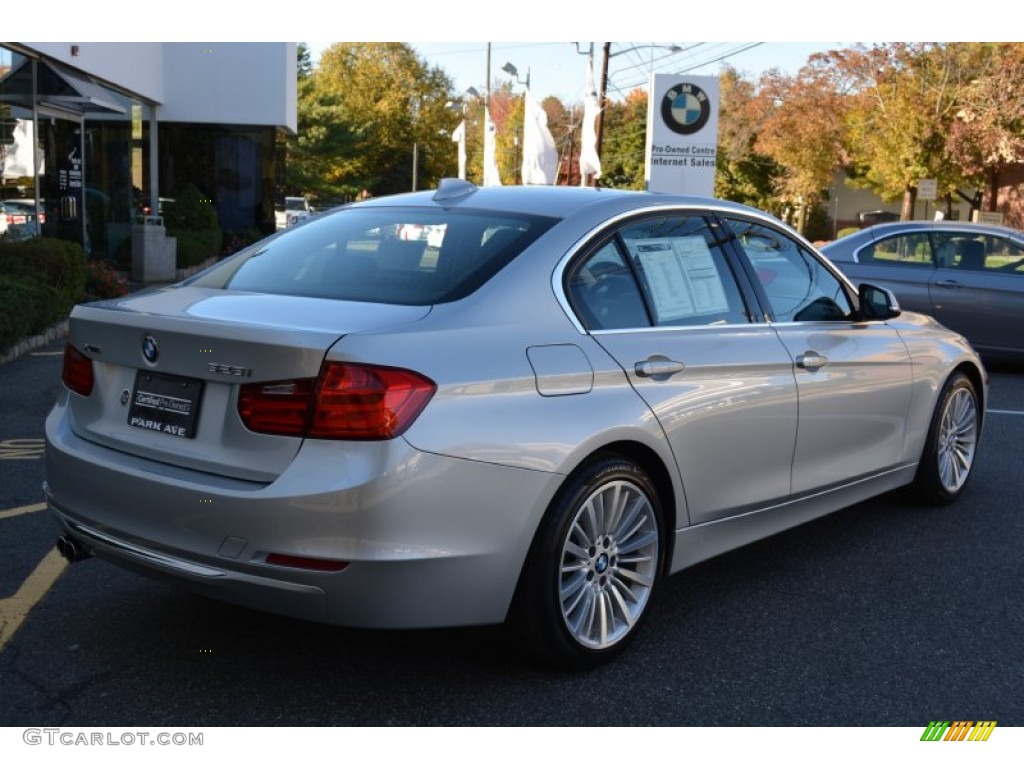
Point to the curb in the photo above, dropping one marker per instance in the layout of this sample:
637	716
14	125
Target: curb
26	345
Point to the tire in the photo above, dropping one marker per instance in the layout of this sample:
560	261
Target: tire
952	443
593	566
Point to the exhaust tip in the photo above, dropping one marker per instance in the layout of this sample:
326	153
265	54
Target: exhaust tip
72	550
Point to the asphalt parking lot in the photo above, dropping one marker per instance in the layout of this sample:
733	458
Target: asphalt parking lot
883	614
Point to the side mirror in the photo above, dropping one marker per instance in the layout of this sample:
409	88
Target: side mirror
877	303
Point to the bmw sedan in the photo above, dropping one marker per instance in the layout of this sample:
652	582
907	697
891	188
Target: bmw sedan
970	277
534	416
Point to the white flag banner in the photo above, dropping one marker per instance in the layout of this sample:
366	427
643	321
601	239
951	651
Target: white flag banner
17	160
459	135
540	158
491	176
590	162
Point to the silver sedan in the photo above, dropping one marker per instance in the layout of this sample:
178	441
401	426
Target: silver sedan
532	413
970	277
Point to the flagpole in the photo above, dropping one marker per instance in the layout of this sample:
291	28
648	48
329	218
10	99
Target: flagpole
487	105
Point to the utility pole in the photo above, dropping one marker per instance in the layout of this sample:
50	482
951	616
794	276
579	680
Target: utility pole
587	179
415	163
602	96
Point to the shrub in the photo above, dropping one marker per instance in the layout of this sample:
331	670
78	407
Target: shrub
190	211
103	282
192	219
26	307
236	241
196	247
817	226
846	231
58	265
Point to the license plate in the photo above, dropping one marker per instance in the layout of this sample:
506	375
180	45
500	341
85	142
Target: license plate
166	404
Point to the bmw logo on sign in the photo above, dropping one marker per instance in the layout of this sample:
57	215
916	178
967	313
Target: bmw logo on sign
685	108
150	350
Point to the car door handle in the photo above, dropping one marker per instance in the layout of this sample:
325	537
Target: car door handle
811	360
949	283
654	368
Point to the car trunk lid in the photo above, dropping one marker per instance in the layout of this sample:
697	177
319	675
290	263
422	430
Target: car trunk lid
168	366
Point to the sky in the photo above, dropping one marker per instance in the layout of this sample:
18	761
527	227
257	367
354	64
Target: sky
559	69
785	29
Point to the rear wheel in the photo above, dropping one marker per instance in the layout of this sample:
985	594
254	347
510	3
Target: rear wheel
593	565
949	452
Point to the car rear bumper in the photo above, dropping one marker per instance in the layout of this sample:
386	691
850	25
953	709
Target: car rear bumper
429	540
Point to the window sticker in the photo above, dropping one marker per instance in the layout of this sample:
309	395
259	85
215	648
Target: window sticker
681	276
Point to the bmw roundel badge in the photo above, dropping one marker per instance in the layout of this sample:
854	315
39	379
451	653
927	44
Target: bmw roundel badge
685	108
150	350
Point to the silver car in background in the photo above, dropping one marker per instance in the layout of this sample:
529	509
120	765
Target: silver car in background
559	398
970	277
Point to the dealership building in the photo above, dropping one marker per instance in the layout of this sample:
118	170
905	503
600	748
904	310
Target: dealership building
92	135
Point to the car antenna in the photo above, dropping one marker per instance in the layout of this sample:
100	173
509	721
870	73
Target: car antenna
452	189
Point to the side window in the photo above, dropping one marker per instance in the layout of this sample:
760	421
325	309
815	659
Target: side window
1003	256
981	253
683	272
913	250
798	286
955	250
605	294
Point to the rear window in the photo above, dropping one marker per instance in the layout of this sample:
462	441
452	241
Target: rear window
409	256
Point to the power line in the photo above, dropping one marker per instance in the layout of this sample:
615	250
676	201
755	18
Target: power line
689	67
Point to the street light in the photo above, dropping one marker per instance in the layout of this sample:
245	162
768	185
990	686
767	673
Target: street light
510	68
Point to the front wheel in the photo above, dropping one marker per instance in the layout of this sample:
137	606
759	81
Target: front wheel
593	565
952	442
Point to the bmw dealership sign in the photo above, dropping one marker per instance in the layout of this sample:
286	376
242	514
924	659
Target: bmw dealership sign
682	134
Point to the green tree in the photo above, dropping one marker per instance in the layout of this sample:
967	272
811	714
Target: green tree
563	122
507	112
802	130
624	142
987	133
742	174
362	111
304	63
903	100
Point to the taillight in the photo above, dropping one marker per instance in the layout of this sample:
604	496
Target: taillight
77	371
346	402
276	408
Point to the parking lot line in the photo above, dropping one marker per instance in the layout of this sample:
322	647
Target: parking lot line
15	511
21	448
15	609
1005	413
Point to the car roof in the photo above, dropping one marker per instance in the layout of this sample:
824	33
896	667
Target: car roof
546	200
882	230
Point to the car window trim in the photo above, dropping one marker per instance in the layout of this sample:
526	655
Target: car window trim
609	230
614	239
766	307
